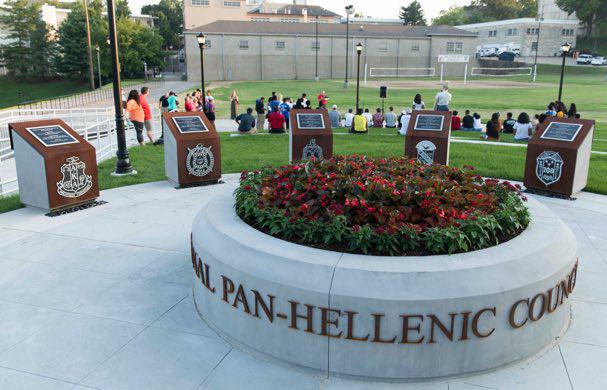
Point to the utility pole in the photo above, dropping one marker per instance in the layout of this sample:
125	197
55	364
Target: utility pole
89	49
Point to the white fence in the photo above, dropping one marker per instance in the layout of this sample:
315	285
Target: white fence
96	125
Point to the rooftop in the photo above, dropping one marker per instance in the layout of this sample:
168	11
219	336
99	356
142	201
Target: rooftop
329	29
298	10
519	21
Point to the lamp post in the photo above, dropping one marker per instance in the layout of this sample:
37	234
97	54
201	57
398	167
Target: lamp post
201	44
317	49
145	71
349	11
359	50
565	49
88	47
97	49
123	162
537	45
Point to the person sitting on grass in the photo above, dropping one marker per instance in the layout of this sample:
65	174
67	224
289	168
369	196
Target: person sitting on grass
468	122
478	125
359	123
561	110
535	121
494	128
418	103
368	117
540	121
349	118
308	105
456	121
523	129
572	110
335	116
276	123
246	122
551	111
378	119
508	124
391	119
405	118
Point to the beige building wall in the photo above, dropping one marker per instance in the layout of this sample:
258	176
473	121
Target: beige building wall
200	12
287	57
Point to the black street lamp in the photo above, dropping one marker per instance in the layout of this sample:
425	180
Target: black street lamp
123	162
349	11
202	40
565	49
317	49
359	50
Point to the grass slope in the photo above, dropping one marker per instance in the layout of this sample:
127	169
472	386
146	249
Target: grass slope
16	91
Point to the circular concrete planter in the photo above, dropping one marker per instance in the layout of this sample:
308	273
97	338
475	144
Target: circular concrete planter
383	317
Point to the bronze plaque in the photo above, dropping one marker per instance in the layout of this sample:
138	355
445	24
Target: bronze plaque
69	160
427	137
311	135
558	156
198	147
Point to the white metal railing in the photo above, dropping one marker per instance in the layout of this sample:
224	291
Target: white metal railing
96	125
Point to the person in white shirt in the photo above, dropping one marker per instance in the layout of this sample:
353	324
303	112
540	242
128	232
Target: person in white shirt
443	98
478	125
368	117
418	103
404	122
523	129
349	118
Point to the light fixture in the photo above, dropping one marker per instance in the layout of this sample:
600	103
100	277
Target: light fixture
359	47
566	47
201	39
350	9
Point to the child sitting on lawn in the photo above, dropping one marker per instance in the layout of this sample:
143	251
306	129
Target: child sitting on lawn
456	121
468	122
494	128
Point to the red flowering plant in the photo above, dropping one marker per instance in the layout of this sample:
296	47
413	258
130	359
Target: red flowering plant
389	206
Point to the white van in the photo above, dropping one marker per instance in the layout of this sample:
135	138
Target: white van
584	59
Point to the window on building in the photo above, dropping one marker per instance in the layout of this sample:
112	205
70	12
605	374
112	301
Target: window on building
493	33
208	44
201	2
512	31
315	45
383	47
231	3
455	47
280	45
243	45
534	46
533	31
289	20
260	19
415	47
567	32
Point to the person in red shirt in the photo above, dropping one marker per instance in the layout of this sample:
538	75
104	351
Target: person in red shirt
189	106
456	121
277	123
322	99
147	113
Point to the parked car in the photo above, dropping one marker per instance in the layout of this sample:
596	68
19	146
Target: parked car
584	59
599	61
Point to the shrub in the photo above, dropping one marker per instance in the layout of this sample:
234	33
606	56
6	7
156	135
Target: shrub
392	206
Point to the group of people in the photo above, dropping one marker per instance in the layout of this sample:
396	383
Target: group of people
523	127
139	113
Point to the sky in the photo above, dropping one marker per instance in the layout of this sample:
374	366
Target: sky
377	9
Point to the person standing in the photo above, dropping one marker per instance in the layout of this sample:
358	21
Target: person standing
163	103
443	98
322	99
285	109
233	105
147	114
210	112
189	106
260	109
172	101
136	115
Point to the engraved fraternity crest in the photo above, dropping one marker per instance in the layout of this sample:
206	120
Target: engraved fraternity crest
75	182
549	167
425	152
200	160
312	150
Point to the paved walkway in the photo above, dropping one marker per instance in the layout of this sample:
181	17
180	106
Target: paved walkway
102	299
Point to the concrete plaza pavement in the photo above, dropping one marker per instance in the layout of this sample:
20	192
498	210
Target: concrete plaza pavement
102	299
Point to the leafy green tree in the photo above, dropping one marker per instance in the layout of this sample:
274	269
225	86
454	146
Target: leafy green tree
413	14
487	10
169	22
137	44
451	16
591	13
29	49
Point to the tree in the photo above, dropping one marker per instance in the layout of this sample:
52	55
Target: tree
122	9
29	49
452	16
486	11
169	22
591	13
413	14
137	44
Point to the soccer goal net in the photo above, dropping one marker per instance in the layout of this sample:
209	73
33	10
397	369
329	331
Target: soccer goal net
402	72
497	72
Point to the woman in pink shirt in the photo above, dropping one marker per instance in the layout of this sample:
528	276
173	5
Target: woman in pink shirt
136	115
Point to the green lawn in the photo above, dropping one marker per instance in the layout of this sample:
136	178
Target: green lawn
16	91
585	86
